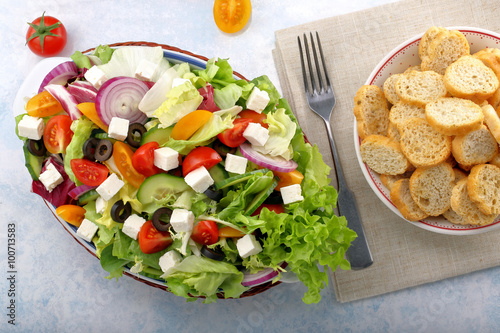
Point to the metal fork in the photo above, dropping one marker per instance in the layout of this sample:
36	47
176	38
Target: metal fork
321	100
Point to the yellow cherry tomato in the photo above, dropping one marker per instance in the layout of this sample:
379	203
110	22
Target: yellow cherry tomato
189	124
230	232
288	178
43	105
122	154
88	109
232	15
72	214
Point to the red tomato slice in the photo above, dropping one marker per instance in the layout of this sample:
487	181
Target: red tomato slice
277	208
233	137
122	154
151	240
88	172
57	134
255	117
143	159
198	157
46	36
205	232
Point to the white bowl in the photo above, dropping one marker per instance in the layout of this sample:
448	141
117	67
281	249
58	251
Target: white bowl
398	60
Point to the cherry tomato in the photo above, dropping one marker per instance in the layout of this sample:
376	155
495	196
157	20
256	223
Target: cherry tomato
198	157
205	233
43	105
143	159
277	208
233	137
151	240
255	117
122	154
88	172
89	110
72	214
189	124
57	134
288	178
232	15
46	36
229	232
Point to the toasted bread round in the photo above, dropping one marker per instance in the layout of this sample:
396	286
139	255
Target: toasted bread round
393	133
454	116
431	188
445	48
371	111
413	68
462	204
428	36
420	88
475	147
492	120
402	199
383	155
389	180
454	218
483	185
422	145
390	90
401	111
490	57
496	160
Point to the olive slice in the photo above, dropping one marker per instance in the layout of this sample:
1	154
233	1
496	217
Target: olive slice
89	148
36	147
104	150
135	133
274	198
120	211
212	194
158	223
215	254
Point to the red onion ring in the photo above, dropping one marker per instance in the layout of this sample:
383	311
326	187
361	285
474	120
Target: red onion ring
59	74
275	163
78	191
68	102
263	276
82	94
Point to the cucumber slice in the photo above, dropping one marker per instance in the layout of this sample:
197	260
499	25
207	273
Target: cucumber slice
160	135
87	197
159	186
218	173
260	198
33	163
231	181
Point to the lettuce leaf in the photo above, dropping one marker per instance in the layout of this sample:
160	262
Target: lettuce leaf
263	83
281	131
82	128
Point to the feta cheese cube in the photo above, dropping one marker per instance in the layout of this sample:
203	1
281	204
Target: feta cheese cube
145	70
248	245
199	179
235	164
95	76
100	205
50	178
110	187
256	134
258	100
166	158
168	261
87	230
182	220
291	193
31	127
178	81
118	128
132	226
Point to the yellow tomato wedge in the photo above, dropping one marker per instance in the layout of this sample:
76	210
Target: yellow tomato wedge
232	15
89	110
43	105
288	178
230	232
122	154
72	214
189	124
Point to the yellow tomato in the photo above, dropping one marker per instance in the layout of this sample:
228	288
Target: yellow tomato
122	154
43	105
232	15
288	178
230	232
189	124
89	110
72	214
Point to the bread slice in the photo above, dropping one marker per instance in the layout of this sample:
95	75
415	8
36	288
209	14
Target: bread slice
490	57
420	88
469	78
454	218
475	147
371	111
413	68
496	160
389	88
389	180
444	49
454	116
428	36
483	185
492	120
393	133
401	111
462	204
431	188
402	199
383	155
422	145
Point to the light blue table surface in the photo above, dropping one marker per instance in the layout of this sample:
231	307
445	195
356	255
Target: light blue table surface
60	287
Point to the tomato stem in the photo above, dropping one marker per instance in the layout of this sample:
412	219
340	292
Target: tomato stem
42	30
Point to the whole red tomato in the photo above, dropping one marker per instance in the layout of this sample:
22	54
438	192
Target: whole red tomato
46	36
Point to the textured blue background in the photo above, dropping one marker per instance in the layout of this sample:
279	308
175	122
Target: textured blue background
61	288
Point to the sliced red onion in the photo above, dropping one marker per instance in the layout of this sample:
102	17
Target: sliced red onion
78	191
82	94
83	84
60	74
68	102
275	163
263	276
120	97
208	103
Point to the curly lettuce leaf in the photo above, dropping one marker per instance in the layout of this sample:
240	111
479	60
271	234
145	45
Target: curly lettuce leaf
82	128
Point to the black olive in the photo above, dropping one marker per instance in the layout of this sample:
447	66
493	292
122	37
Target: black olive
135	133
212	194
89	148
158	223
36	147
222	149
120	211
104	150
274	198
215	254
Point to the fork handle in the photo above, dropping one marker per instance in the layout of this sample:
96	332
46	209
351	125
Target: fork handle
359	253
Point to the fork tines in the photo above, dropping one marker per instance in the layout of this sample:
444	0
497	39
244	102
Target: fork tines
317	83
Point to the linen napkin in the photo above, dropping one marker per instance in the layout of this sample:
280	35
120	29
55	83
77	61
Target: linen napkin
404	255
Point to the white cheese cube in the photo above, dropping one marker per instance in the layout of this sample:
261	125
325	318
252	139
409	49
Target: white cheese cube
110	187
248	245
256	134
258	100
168	261
87	230
178	81
95	76
182	220
166	158
145	70
50	178
199	179
31	127
291	193
118	128
100	205
235	164
132	226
